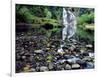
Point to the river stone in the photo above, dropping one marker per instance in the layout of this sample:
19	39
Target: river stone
59	67
87	58
48	45
66	50
82	50
32	70
38	51
73	60
53	46
61	61
48	48
50	66
67	67
44	68
23	57
85	54
91	55
60	51
37	68
66	56
72	47
26	68
89	46
75	66
90	65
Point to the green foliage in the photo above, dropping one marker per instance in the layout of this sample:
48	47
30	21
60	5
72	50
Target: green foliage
84	34
42	31
49	58
86	19
48	33
52	15
47	13
24	15
85	28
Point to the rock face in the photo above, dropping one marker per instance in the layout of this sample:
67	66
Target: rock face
38	53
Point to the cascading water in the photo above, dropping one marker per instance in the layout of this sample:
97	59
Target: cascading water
69	23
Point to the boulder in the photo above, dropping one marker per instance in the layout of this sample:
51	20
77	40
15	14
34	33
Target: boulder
50	66
67	67
44	68
38	51
89	46
90	65
75	66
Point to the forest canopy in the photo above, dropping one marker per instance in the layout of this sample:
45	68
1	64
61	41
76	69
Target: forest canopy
30	13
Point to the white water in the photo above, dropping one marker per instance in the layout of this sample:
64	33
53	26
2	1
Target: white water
69	23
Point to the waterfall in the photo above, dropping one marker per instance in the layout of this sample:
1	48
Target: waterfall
69	23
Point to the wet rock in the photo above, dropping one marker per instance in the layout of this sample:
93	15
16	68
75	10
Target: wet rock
19	66
61	61
48	45
89	46
47	48
50	66
66	51
26	68
44	68
61	51
59	67
75	66
23	57
73	60
37	69
82	50
90	65
91	55
82	63
87	58
32	70
53	46
85	54
72	47
67	67
66	56
38	51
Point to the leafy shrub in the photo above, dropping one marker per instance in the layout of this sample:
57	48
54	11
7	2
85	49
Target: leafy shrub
84	34
24	15
86	19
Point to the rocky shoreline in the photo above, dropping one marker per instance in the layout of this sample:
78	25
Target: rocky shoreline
37	53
